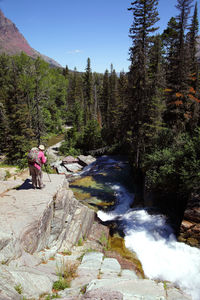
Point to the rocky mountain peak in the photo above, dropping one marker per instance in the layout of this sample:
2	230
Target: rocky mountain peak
13	42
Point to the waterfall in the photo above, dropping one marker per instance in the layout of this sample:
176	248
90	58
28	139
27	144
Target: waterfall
147	234
153	240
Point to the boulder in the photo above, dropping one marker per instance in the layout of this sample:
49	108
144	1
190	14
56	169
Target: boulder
73	168
86	160
69	160
62	170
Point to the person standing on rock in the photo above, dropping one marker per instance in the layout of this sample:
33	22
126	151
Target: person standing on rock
36	159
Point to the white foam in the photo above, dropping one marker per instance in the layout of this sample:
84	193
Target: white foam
123	202
162	257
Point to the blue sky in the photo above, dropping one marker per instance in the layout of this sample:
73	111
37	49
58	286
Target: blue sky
70	31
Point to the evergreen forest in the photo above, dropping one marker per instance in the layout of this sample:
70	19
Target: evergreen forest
151	113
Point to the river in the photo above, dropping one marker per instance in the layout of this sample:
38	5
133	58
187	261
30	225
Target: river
147	234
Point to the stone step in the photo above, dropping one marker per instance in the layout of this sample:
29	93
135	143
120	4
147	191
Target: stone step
103	278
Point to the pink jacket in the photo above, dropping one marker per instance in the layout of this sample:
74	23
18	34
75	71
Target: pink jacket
41	158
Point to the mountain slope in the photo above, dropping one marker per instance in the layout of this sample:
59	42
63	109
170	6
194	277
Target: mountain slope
13	42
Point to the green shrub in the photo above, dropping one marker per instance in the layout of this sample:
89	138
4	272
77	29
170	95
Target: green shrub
61	284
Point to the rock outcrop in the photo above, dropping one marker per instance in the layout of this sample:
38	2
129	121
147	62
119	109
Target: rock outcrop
190	226
34	220
70	164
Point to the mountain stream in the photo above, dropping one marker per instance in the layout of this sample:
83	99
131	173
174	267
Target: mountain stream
106	185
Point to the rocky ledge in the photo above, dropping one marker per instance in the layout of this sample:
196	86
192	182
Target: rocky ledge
47	234
34	220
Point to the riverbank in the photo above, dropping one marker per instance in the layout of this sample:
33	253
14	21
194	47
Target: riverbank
48	239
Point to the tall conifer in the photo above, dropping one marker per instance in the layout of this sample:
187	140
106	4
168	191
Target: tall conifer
145	15
88	93
178	112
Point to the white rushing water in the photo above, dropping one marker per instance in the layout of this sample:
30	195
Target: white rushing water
162	257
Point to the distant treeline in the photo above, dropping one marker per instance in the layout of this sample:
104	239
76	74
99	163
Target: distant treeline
150	113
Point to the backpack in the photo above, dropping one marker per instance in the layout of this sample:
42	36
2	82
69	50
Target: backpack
32	156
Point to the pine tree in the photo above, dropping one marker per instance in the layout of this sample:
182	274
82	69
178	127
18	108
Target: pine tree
97	81
145	16
40	97
75	99
4	128
177	113
20	134
194	96
88	93
113	107
104	102
123	109
5	67
156	102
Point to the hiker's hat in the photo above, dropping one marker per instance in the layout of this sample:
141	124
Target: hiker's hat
41	147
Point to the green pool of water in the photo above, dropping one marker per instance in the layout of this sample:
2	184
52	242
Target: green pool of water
93	192
95	189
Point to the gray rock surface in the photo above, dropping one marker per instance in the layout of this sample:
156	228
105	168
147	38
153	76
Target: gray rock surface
7	185
105	294
75	167
30	221
2	174
120	284
69	160
86	160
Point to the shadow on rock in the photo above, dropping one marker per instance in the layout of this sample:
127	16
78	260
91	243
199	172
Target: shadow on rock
27	185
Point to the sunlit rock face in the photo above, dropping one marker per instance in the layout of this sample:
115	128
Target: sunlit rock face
190	227
13	42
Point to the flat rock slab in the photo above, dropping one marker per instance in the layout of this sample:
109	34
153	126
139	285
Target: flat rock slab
75	167
25	215
92	260
86	160
69	160
7	185
131	289
140	289
110	267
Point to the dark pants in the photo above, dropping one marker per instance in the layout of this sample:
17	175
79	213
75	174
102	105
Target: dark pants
36	176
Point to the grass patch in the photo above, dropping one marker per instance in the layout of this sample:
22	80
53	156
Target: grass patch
66	252
18	288
104	241
66	273
61	284
80	242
